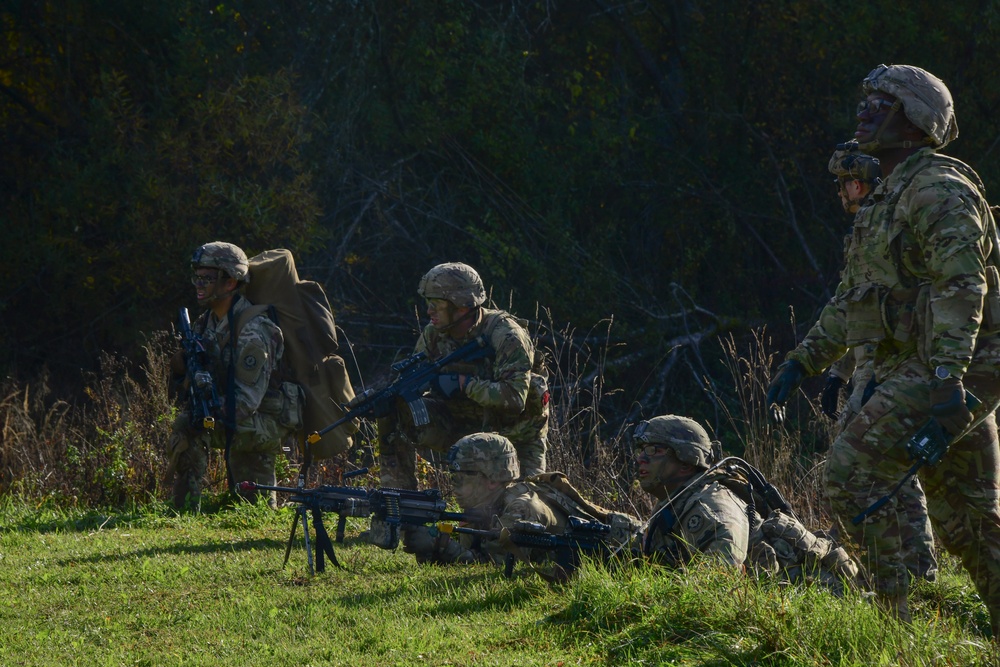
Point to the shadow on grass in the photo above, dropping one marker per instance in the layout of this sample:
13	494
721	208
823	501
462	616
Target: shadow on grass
178	549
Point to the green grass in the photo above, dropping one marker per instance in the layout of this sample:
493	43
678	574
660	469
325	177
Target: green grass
149	587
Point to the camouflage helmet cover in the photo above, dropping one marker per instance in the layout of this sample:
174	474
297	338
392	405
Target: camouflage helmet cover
926	101
454	281
490	454
226	256
855	166
685	436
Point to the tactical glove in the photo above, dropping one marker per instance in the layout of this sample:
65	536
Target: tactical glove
829	400
785	381
448	384
948	405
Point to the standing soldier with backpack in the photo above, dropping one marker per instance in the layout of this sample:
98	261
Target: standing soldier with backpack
252	414
921	285
504	392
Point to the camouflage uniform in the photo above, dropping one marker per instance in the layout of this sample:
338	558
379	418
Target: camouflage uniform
916	535
502	394
711	513
492	456
259	431
914	287
706	518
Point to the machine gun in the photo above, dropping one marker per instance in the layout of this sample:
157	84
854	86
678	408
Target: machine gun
390	509
344	500
413	376
926	447
581	536
205	402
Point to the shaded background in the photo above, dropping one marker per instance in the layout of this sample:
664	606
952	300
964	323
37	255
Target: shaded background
642	180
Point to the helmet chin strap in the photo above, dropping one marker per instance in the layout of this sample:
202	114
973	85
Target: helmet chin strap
472	313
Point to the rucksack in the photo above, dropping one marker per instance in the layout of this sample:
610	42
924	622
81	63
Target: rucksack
555	488
300	308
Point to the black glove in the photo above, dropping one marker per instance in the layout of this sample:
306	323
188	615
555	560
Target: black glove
418	540
948	405
829	400
447	384
785	381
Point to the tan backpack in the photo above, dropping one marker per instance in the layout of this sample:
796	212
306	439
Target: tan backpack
300	308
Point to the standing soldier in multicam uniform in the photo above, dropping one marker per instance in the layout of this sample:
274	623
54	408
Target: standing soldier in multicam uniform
857	175
706	508
242	368
921	285
499	393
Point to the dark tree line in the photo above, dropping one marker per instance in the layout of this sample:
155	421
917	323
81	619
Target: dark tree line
648	174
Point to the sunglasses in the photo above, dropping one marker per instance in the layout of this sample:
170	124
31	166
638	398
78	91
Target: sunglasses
203	281
872	107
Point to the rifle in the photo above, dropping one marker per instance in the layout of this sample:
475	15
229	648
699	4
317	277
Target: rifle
926	447
580	536
344	500
389	509
414	376
205	401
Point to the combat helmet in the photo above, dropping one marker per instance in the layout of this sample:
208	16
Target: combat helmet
454	281
226	256
685	436
490	454
855	166
926	101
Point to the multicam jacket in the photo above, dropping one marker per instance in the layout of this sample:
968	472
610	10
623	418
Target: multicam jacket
502	391
917	270
258	352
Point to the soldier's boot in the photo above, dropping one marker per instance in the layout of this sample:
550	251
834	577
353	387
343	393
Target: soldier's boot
895	605
187	492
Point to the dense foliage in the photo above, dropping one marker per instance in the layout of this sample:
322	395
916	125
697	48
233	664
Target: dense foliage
658	164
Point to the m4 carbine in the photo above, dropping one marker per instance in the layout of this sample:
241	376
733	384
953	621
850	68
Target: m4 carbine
413	376
205	401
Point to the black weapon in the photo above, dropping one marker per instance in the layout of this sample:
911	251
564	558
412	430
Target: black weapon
926	447
205	402
393	508
580	536
344	500
414	376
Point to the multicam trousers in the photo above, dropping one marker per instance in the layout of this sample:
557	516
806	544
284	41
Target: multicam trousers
400	440
963	490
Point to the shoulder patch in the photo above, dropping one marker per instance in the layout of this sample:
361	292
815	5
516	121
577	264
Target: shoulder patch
251	363
694	523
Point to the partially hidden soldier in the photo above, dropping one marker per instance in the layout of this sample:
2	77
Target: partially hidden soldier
506	392
485	473
723	510
251	410
857	175
920	285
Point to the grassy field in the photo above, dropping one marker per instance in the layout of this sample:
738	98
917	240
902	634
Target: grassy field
150	587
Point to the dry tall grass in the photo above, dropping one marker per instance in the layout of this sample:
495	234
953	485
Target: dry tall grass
106	447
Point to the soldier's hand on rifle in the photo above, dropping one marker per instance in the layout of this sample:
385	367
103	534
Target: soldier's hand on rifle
948	405
202	379
449	384
829	400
